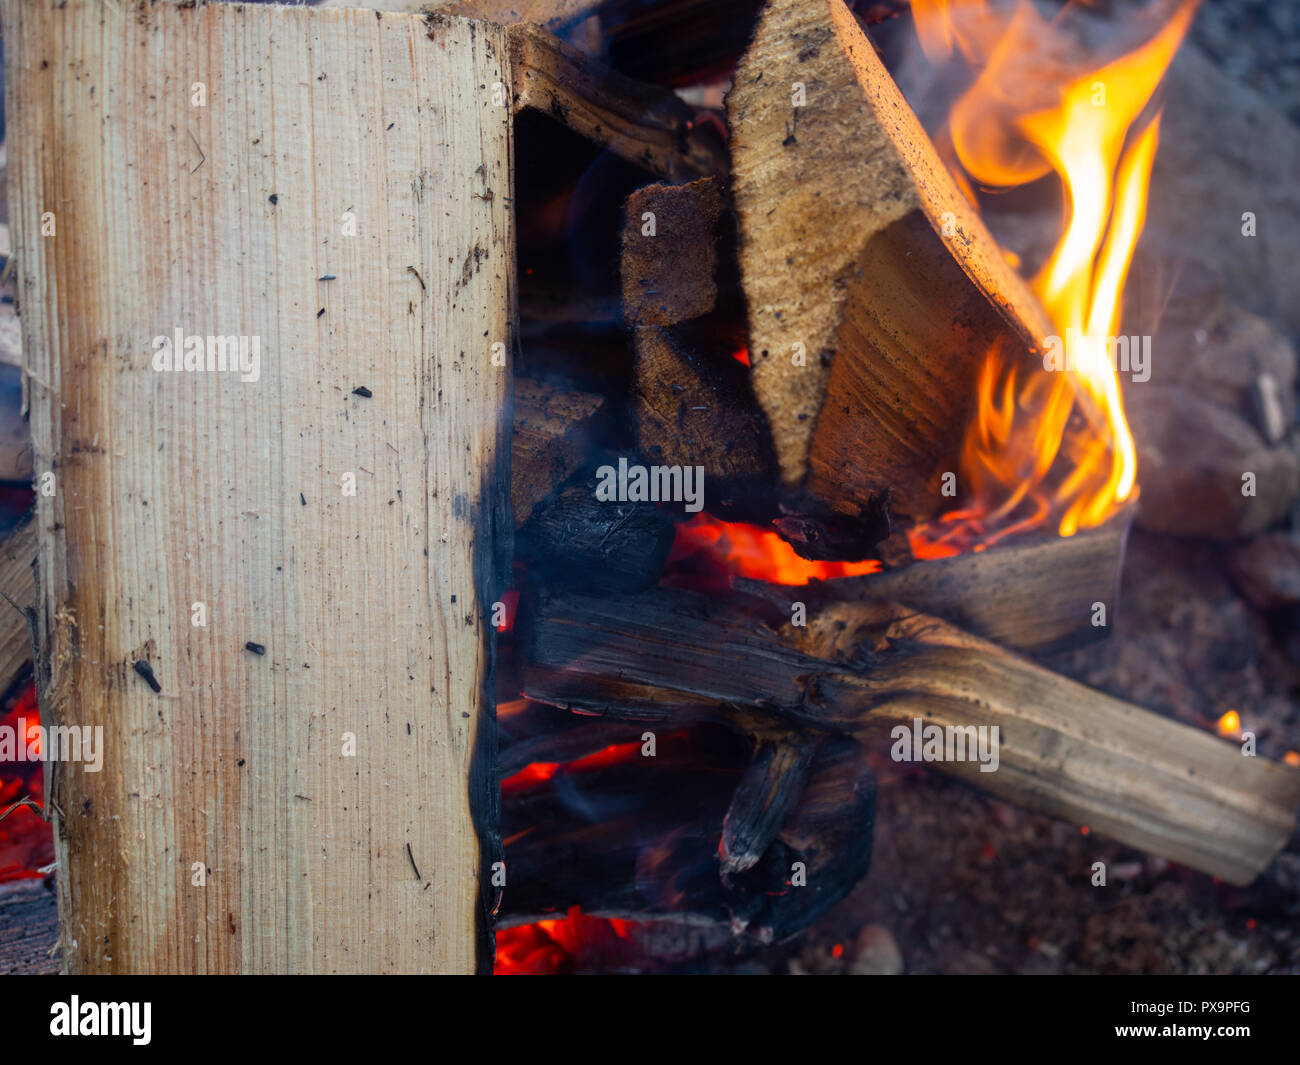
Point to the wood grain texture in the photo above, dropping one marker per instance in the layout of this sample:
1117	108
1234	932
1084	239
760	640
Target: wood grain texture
551	439
177	488
670	274
18	584
554	14
689	410
856	244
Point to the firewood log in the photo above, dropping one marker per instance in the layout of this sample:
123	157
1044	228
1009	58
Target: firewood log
576	540
770	788
643	837
692	411
670	252
551	439
642	123
18	588
338	513
860	669
1040	595
875	292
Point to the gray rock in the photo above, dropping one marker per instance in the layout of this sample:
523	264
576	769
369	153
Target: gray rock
1193	458
1267	570
1224	151
877	953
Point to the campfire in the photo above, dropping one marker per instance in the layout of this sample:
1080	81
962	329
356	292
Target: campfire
819	470
913	392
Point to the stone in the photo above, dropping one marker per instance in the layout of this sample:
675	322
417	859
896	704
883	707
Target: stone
877	953
1267	570
1224	151
1205	470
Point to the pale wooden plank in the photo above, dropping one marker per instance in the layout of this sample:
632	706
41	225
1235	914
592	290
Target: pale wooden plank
177	488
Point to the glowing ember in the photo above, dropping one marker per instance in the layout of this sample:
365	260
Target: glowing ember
1052	444
26	841
751	551
539	772
1230	724
549	947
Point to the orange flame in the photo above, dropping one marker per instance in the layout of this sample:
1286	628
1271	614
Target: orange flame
752	551
1047	444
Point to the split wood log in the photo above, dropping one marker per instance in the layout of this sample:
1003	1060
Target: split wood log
1065	750
1039	595
875	292
669	259
642	123
692	411
322	751
551	439
18	589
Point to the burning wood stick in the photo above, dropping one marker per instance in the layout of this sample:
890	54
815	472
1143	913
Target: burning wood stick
576	540
874	290
625	836
642	123
861	669
326	803
1041	595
